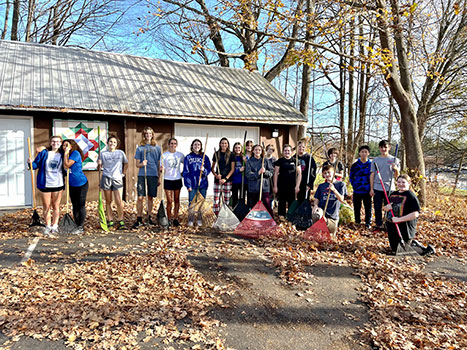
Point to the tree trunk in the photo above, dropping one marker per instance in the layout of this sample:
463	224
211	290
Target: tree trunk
15	21
351	101
7	14
31	6
461	161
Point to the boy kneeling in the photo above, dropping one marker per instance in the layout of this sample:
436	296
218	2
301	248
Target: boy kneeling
336	190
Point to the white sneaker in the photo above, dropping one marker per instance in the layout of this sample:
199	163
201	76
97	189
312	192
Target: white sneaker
200	222
54	231
190	223
47	230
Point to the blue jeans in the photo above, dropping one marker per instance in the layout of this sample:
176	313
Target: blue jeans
192	193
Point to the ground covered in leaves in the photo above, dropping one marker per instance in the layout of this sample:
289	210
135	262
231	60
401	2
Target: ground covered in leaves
197	289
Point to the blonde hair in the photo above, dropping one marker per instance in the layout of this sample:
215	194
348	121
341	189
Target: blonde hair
143	140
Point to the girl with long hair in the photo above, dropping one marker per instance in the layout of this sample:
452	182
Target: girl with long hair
225	161
193	167
148	157
114	164
79	185
238	174
50	182
254	169
172	161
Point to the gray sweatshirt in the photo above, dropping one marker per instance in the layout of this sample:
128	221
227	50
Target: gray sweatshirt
253	165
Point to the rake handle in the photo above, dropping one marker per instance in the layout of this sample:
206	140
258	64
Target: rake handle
387	199
32	176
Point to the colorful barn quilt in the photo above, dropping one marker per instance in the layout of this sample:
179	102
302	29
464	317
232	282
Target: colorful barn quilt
85	135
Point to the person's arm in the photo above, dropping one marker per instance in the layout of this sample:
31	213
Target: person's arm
299	179
334	190
232	170
276	175
372	182
67	162
186	175
125	168
339	169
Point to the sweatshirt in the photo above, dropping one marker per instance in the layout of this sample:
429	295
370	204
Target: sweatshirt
254	179
191	170
360	176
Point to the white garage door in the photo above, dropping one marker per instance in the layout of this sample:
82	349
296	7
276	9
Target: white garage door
186	133
15	183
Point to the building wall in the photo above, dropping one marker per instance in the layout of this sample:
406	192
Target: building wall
128	130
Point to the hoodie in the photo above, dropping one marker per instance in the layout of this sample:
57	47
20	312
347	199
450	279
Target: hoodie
191	170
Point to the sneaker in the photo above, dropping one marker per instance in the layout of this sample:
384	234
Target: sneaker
367	226
110	224
137	224
190	223
200	223
47	230
430	250
121	225
54	231
175	223
150	222
378	228
77	231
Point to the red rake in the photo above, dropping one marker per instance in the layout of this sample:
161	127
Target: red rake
257	223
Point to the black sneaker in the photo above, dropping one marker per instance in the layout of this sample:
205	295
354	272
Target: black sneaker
137	224
121	225
430	250
150	222
110	224
175	223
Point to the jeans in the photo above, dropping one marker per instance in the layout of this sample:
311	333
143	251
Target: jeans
193	192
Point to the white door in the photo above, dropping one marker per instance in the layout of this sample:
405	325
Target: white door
15	181
186	133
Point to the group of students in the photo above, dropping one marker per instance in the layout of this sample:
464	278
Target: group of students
237	175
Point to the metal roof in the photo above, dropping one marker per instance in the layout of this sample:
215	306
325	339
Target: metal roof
36	76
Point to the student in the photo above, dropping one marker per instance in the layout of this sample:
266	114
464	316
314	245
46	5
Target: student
336	190
172	161
333	153
49	161
389	168
148	157
79	185
254	169
193	166
406	208
222	173
114	164
304	162
287	178
248	150
238	174
269	155
360	180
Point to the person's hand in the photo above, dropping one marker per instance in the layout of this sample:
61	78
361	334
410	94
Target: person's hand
396	220
275	189
372	193
67	149
261	171
222	181
297	189
190	189
202	168
144	162
219	177
315	209
242	169
395	167
99	162
332	188
30	160
387	207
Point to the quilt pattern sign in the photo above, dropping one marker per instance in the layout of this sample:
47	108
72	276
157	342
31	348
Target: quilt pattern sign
85	135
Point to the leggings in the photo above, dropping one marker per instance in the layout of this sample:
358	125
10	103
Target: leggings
78	200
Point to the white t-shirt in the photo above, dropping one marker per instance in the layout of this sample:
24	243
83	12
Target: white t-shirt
112	163
53	174
172	163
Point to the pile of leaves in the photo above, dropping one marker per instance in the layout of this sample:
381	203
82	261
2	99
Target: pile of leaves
107	304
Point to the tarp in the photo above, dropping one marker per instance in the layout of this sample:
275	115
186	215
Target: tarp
257	223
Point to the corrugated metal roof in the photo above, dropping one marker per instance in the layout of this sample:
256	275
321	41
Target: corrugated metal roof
34	76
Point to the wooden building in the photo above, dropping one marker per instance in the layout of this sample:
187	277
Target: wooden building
45	87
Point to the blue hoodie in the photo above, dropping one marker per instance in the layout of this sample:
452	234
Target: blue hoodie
40	163
191	170
360	176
